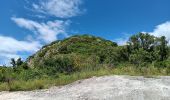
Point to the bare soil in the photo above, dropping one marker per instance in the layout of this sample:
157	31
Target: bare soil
101	88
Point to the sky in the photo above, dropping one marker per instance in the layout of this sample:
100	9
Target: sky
27	25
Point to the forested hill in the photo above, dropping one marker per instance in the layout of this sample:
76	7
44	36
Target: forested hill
78	50
82	51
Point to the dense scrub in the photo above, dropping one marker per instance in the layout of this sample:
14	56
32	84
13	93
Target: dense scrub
78	57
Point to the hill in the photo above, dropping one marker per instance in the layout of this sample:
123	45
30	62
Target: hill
76	51
89	52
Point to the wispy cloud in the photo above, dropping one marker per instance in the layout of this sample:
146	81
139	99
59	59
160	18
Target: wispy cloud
10	48
47	32
9	44
59	8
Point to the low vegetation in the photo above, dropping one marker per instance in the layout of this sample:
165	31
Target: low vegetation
80	57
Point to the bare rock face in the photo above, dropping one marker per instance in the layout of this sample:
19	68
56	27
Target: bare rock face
101	88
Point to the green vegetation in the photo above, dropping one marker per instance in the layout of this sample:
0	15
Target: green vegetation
80	57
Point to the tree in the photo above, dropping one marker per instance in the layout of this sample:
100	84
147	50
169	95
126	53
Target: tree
13	62
19	62
16	63
139	57
144	47
142	40
134	42
163	48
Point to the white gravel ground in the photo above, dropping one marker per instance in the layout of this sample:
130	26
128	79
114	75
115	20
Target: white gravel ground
101	88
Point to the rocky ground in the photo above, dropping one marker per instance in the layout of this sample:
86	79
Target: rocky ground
101	88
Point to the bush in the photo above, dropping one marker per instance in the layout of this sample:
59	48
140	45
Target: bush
160	64
61	64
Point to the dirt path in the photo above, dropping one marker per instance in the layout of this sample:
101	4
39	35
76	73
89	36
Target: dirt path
101	88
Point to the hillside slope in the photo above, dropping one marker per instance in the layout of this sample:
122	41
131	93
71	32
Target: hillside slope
74	51
101	88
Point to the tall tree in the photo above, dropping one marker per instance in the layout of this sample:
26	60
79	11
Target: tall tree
19	62
163	48
156	48
13	62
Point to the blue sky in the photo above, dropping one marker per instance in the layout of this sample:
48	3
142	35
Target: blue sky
26	25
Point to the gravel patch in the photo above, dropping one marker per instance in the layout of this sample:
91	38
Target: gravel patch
101	88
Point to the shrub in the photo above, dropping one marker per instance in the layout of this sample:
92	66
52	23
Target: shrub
61	63
160	64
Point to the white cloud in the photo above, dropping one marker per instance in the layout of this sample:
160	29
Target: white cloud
11	45
59	8
45	31
10	48
123	40
162	30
